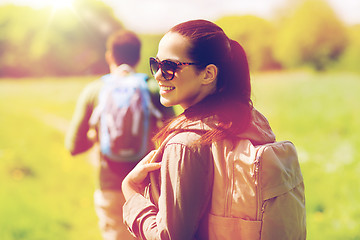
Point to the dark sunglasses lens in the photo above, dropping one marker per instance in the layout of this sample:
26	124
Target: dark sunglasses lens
168	69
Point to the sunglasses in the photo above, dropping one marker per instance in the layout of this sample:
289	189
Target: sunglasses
168	68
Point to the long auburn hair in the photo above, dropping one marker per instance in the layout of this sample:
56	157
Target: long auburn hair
230	104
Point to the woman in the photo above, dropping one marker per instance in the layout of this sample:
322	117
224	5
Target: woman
199	68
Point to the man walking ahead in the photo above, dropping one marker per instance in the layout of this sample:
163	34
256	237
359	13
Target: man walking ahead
120	113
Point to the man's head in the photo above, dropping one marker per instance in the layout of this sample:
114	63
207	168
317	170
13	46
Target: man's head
123	47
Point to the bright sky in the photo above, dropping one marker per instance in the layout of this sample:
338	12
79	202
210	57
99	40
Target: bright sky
159	15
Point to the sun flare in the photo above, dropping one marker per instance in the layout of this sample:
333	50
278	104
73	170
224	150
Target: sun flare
54	4
61	4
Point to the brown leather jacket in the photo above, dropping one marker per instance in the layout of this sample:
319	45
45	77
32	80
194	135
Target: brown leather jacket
185	183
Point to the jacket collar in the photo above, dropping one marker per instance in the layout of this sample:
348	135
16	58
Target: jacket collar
259	130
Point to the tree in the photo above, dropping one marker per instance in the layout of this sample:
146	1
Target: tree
313	35
255	35
40	42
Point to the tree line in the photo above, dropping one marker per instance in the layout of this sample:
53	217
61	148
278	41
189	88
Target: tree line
307	35
40	42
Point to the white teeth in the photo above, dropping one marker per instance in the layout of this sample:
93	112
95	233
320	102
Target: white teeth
166	88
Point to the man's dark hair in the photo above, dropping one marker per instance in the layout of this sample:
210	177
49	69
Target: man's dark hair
125	47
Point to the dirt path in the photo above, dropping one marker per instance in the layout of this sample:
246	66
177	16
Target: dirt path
52	120
62	125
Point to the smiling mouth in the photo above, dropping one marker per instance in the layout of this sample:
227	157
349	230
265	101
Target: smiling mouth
166	88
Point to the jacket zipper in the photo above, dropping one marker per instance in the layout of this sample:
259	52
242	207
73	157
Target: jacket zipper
228	196
257	165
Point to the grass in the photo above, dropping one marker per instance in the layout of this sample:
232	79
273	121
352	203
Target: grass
319	113
47	194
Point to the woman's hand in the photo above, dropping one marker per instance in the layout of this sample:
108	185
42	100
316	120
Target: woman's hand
134	181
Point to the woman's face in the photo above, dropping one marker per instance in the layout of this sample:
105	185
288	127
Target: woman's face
186	88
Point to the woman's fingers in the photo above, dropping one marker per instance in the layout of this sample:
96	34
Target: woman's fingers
149	167
140	172
133	182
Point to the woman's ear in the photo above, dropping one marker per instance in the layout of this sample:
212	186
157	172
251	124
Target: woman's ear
210	74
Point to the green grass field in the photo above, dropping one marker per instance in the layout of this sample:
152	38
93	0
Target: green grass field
45	194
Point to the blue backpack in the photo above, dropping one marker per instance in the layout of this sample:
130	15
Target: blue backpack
123	117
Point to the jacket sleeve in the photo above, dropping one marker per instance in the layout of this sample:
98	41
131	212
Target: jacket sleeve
76	140
186	186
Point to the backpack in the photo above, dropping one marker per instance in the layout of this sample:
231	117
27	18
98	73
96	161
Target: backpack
258	191
123	117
